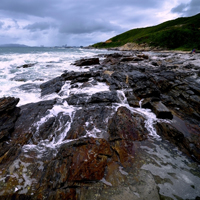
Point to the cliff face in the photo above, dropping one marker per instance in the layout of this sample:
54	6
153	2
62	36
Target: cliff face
134	135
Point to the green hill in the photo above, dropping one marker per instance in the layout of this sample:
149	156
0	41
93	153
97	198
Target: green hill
182	33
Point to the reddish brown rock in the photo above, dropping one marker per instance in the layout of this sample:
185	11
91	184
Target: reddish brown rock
114	176
127	126
68	194
78	161
125	150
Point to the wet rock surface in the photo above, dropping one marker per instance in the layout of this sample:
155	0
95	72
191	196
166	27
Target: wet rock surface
127	128
27	65
8	116
89	61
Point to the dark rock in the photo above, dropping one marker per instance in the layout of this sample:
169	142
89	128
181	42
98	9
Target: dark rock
127	59
161	110
53	127
27	65
80	80
110	61
120	76
24	126
135	76
82	124
28	87
116	80
74	86
184	135
89	61
127	126
143	56
154	63
138	59
169	75
132	99
82	76
52	86
7	104
8	116
189	66
162	83
146	89
110	97
86	84
195	88
78	99
114	55
7	122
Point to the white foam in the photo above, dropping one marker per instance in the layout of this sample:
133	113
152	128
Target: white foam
122	171
61	108
150	117
66	90
103	180
95	133
48	65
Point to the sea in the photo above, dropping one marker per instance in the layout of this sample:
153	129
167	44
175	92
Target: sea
47	63
179	174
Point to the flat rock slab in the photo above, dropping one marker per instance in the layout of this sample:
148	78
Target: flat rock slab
84	62
161	110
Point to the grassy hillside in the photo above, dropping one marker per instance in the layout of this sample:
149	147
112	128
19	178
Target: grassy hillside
181	33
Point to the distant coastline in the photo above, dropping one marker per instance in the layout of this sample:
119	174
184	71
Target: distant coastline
13	45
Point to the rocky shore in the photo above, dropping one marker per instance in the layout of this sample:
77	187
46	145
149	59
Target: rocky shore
139	139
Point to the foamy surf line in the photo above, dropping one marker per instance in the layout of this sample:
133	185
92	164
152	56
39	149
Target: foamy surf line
45	64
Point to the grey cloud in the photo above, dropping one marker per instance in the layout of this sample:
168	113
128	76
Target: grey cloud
78	26
39	26
75	21
8	27
180	8
77	16
62	7
1	24
189	9
16	25
29	7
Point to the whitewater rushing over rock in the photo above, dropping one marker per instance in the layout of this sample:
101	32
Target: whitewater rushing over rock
111	126
23	70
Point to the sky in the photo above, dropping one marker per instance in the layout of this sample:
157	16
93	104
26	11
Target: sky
83	22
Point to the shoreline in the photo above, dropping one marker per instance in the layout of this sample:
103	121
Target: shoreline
144	50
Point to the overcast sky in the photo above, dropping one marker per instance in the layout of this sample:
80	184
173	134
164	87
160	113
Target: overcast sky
83	22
